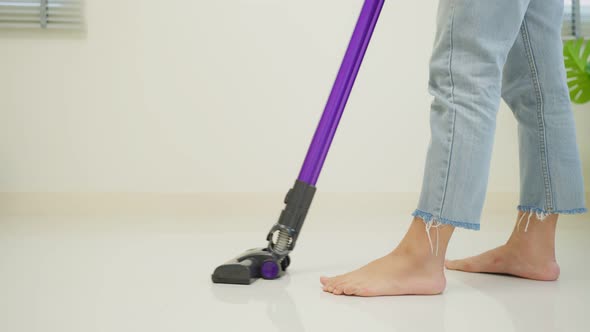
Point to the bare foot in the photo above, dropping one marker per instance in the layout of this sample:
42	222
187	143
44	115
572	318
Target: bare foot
508	260
393	274
411	269
529	254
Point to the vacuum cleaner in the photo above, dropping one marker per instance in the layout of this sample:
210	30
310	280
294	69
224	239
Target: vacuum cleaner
272	261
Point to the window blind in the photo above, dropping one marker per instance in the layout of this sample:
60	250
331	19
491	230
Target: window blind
576	19
56	14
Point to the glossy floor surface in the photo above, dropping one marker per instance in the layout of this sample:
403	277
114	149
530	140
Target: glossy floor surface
153	274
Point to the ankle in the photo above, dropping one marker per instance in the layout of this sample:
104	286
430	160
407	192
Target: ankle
415	251
532	235
425	240
419	254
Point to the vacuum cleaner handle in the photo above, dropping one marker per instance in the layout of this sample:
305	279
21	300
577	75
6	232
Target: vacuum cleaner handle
320	144
272	261
284	233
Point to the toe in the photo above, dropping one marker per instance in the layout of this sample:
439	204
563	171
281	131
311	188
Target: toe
350	289
342	284
330	282
339	283
337	291
324	280
334	280
356	290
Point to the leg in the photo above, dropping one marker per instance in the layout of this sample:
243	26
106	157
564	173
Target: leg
535	89
471	47
472	42
551	179
529	254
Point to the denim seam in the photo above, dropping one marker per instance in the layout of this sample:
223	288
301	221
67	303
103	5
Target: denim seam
540	115
454	110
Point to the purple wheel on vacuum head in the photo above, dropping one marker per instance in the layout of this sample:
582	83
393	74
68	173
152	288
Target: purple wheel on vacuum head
269	269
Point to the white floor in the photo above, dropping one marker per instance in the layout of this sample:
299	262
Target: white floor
153	274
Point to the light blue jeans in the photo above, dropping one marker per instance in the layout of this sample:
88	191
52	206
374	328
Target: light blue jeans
485	51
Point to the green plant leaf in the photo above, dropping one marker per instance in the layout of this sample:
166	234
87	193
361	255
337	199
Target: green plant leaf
577	64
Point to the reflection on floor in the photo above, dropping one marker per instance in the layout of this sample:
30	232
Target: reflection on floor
153	274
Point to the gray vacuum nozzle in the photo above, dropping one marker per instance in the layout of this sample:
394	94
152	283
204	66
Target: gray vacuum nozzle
251	265
233	272
271	262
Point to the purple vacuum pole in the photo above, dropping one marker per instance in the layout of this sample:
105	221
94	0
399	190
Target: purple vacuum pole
271	262
320	144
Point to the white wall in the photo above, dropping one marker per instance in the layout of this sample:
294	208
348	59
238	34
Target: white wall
201	96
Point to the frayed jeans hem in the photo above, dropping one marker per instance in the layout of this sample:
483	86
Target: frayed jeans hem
528	209
428	217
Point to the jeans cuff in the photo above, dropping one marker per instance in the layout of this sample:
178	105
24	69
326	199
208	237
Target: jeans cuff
428	217
525	208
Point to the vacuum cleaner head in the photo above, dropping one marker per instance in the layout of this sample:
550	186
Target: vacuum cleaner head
248	267
272	261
